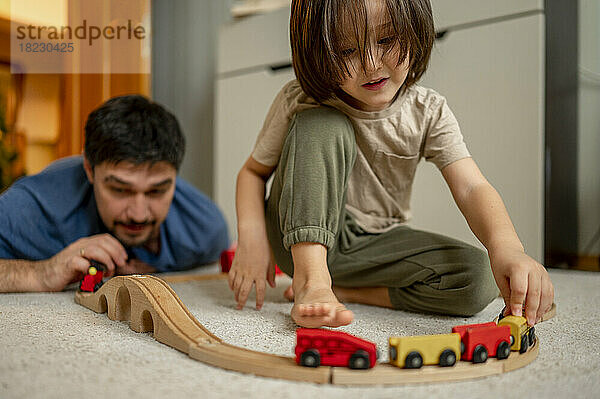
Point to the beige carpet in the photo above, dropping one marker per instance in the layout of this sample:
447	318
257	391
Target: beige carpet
52	348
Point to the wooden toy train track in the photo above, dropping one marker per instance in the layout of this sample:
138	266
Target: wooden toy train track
150	305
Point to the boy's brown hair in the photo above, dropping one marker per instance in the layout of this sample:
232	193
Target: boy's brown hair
317	38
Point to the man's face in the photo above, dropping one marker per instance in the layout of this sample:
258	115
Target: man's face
133	200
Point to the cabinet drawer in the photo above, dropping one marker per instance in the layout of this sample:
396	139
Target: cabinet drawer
449	13
241	105
263	39
254	41
493	79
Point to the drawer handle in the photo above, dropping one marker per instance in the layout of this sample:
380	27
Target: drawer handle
280	67
439	35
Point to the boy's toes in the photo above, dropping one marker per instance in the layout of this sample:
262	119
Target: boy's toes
321	315
306	310
289	293
323	309
343	316
337	316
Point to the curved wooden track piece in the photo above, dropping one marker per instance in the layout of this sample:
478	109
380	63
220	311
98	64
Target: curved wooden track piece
150	305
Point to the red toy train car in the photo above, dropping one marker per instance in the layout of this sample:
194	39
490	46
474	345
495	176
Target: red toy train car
226	260
315	347
93	280
480	341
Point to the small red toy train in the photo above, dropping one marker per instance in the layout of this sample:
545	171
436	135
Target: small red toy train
472	342
315	347
92	281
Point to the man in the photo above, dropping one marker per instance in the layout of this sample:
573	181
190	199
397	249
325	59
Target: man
120	204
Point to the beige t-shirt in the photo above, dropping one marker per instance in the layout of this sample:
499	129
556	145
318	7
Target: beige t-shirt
390	143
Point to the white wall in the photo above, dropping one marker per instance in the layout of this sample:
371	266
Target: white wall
589	126
183	77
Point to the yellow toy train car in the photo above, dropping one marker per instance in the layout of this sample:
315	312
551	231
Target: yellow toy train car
522	336
416	351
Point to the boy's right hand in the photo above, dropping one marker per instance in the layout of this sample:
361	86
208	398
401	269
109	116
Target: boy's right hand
252	265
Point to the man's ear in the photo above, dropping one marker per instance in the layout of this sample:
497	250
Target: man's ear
88	169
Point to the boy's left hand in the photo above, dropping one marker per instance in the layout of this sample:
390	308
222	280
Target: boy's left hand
523	281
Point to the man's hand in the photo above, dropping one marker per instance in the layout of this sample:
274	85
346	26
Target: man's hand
71	264
252	265
523	281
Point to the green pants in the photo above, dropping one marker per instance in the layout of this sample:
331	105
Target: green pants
424	272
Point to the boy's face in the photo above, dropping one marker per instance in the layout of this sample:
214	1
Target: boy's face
133	200
375	86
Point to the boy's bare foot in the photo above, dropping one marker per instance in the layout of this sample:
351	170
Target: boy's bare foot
318	307
289	293
375	296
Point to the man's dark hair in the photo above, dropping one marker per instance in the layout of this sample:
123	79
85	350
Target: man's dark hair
134	129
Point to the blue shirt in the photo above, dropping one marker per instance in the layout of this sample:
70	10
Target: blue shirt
42	214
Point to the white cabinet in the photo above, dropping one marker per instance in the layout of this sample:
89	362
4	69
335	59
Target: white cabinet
246	86
254	42
493	78
241	106
490	66
452	14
